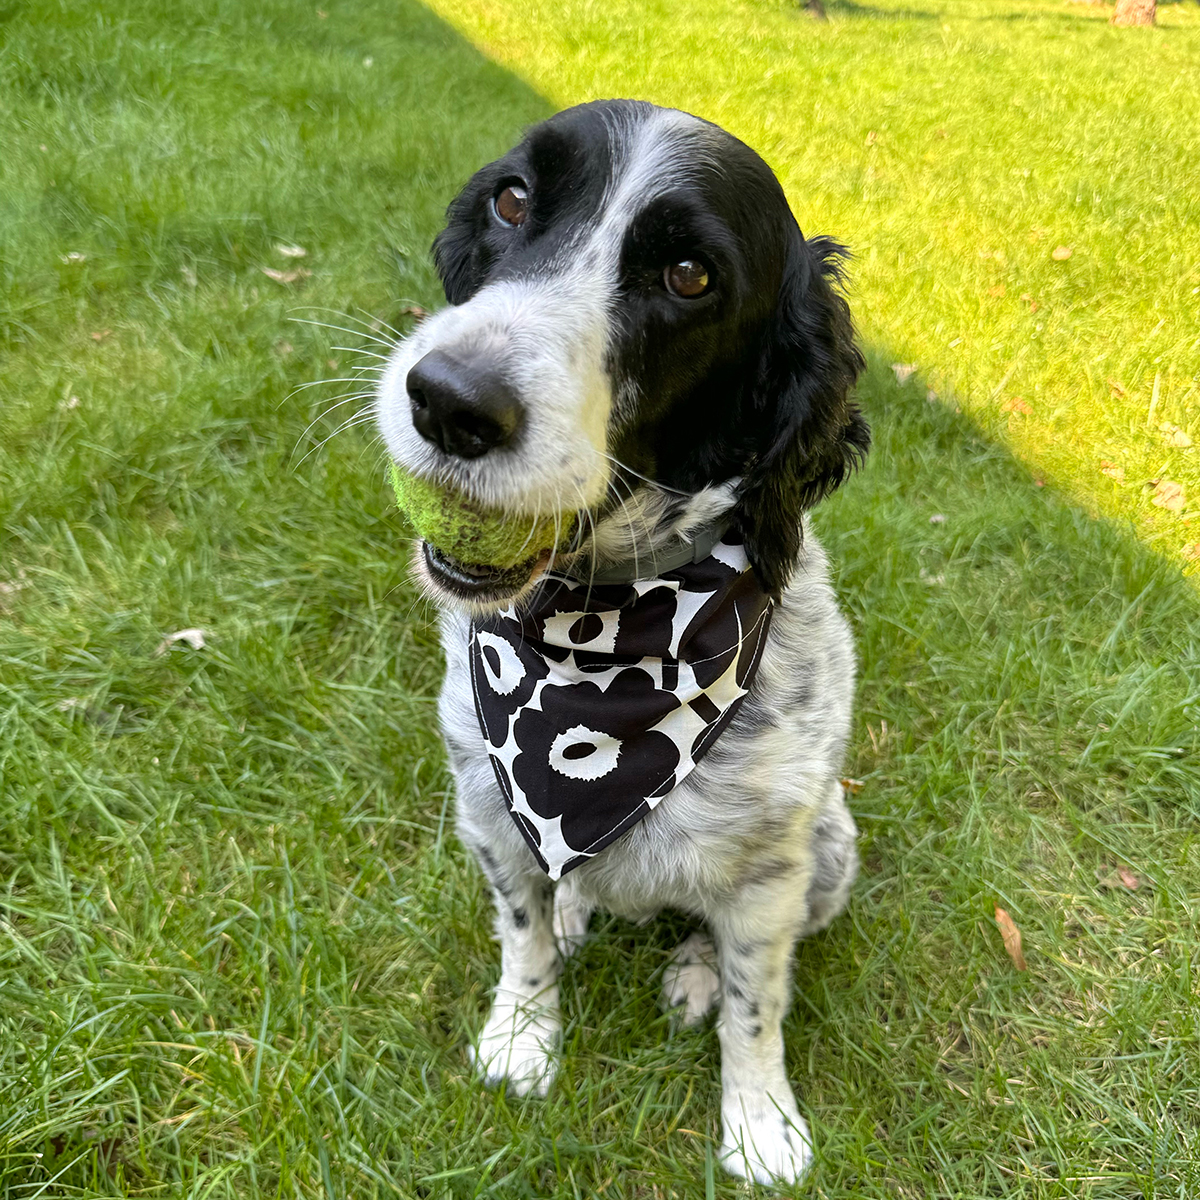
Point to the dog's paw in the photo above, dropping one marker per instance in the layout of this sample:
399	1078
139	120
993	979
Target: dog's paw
691	978
571	917
518	1043
764	1138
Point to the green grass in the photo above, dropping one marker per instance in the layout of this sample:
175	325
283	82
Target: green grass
241	952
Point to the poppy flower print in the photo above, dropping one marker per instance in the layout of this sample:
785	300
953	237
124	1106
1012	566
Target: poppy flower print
595	702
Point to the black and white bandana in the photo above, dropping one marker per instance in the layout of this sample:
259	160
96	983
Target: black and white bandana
594	702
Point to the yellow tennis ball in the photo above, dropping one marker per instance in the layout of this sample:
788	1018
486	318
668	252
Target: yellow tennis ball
467	531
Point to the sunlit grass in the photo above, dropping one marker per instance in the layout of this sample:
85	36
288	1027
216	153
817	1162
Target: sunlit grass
241	952
956	145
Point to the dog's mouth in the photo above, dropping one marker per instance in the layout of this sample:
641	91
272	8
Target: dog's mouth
479	582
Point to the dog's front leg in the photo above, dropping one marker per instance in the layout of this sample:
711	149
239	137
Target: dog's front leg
763	1135
521	1034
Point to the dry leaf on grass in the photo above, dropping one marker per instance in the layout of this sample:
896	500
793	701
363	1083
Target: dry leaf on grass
1117	878
853	786
1168	495
1012	938
415	311
1060	253
1112	470
1192	552
192	637
1014	404
1174	436
293	276
101	334
904	371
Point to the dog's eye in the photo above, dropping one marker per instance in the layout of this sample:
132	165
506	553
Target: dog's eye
512	205
687	279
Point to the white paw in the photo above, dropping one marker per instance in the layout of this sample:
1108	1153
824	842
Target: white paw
691	978
764	1140
518	1042
571	917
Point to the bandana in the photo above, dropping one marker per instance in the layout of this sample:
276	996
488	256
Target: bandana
595	701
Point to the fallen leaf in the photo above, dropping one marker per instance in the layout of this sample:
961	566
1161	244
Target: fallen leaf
292	276
1060	253
1168	495
101	334
1014	404
1112	470
1128	878
853	786
1012	938
1112	879
937	519
998	290
291	251
1192	552
1174	436
904	371
1117	389
193	637
415	311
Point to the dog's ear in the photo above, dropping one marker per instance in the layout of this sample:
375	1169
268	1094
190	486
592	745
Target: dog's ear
459	252
812	433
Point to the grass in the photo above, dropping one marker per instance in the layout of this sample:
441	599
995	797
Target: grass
241	953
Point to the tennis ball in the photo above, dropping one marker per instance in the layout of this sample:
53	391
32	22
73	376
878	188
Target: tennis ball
467	531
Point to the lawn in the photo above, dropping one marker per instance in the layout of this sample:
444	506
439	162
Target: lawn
241	952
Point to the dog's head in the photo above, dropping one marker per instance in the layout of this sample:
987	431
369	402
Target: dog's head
637	331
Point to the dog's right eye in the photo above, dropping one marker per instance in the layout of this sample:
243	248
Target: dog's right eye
512	204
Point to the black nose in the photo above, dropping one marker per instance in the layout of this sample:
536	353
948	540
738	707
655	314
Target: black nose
461	406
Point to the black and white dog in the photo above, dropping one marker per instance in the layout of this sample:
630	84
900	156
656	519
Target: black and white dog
638	332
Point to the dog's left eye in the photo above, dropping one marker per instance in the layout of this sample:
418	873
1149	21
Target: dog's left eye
512	204
688	279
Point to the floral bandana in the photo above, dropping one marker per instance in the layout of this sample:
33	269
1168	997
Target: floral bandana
595	701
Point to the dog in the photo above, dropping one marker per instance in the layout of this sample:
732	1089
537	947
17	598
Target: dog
638	332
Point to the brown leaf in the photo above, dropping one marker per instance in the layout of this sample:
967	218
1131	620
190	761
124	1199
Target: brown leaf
1014	404
1174	436
1117	389
1061	253
292	276
853	786
1112	470
1128	878
904	372
1192	552
101	334
415	311
1012	938
1168	495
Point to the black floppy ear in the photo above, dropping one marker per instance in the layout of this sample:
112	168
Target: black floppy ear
459	252
812	432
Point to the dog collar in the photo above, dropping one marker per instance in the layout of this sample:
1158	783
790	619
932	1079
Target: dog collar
596	700
678	553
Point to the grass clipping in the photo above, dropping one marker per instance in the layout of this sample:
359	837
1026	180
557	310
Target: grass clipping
467	531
